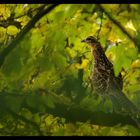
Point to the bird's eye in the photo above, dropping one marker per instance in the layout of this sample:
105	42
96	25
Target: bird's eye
88	39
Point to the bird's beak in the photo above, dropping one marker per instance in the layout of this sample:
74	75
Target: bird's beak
83	40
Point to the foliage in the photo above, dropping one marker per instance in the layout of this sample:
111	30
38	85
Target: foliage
45	73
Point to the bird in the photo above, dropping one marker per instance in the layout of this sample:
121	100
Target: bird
106	84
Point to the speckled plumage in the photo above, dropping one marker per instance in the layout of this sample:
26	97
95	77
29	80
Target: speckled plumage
106	84
102	74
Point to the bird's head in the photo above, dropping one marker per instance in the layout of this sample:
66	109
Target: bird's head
92	41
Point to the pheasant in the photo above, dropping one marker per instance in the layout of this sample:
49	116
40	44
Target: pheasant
106	84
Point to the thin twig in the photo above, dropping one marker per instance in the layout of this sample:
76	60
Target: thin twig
98	33
23	32
117	23
16	116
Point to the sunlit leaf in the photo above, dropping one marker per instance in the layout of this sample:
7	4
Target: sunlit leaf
12	30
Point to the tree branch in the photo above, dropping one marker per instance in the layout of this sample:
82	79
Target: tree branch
62	108
23	32
81	114
119	25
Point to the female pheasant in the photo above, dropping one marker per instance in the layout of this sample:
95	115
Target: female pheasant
105	83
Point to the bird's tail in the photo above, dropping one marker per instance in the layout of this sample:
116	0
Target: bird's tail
121	102
122	105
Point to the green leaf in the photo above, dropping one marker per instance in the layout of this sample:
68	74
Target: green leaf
49	101
12	30
35	102
13	102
